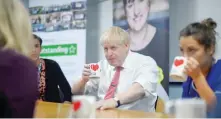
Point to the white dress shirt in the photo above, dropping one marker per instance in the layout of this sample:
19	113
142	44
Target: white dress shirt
137	68
162	94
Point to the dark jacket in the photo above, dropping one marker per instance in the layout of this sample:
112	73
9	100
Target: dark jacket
54	78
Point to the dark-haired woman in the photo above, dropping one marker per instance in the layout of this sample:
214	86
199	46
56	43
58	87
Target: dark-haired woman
53	86
197	43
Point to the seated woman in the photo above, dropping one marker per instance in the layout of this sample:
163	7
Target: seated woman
197	43
53	86
18	87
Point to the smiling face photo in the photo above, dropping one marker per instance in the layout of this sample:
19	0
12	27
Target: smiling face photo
147	23
137	12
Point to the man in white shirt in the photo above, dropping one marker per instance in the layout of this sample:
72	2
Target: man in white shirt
127	80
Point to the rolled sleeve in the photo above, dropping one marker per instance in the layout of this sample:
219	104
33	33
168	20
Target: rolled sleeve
147	77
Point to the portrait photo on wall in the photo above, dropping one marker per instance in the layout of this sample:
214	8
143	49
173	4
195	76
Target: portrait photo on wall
78	5
38	22
36	10
147	23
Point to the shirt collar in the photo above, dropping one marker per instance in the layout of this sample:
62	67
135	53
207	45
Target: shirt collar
126	63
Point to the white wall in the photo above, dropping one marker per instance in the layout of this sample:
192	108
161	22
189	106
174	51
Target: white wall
99	16
106	19
182	12
210	8
92	33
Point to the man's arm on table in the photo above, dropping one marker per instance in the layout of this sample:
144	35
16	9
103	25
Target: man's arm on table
86	87
144	85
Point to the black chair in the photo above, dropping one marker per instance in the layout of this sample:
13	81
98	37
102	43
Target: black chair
156	103
61	95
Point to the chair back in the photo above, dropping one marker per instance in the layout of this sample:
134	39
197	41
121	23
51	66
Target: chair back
61	95
160	105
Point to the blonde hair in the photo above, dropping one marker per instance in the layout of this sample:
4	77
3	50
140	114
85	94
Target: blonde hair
15	27
115	35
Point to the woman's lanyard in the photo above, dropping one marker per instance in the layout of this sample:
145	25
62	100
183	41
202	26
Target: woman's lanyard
39	70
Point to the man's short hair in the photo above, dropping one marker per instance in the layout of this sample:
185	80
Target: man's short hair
115	35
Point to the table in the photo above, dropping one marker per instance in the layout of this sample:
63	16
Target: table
62	110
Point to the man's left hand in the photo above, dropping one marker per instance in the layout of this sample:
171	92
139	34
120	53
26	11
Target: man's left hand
108	104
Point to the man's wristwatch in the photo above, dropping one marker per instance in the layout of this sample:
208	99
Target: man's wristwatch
118	102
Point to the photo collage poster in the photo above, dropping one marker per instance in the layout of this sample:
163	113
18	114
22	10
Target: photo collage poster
58	17
62	27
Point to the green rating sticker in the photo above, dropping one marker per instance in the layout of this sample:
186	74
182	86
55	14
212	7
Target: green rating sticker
59	50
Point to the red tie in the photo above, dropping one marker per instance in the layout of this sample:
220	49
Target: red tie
113	85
